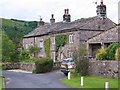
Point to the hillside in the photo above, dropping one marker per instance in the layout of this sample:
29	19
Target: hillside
16	29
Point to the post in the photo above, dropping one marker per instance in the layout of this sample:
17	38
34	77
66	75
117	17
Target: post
82	81
106	85
68	75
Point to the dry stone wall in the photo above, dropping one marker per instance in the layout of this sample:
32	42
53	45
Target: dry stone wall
22	66
104	68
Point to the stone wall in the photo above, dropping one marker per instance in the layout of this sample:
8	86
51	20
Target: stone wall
22	66
104	68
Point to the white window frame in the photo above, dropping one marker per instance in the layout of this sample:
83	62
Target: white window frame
41	44
53	56
26	46
70	54
71	38
53	40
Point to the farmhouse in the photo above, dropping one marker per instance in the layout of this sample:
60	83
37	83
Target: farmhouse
93	32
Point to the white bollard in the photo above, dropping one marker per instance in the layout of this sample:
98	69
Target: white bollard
106	85
82	81
68	75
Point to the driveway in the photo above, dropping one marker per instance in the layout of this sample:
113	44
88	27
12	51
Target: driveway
21	79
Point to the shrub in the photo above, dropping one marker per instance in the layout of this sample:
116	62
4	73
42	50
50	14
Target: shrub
111	51
43	65
117	53
101	54
24	55
81	61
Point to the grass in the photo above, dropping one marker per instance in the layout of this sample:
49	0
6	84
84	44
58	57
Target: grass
1	82
90	82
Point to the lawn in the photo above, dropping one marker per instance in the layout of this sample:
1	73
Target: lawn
90	82
1	82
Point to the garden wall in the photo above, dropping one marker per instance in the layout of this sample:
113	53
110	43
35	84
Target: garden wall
22	66
104	68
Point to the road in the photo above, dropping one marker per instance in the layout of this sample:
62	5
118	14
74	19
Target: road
28	80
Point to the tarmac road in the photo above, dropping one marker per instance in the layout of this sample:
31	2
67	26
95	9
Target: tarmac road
18	79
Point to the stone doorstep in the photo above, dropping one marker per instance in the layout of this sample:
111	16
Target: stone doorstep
19	70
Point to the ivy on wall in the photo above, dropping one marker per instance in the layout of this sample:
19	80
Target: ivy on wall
60	40
47	47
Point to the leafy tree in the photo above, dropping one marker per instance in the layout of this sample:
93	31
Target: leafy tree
24	54
34	50
8	48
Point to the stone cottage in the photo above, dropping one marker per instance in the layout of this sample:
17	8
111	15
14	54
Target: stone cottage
81	31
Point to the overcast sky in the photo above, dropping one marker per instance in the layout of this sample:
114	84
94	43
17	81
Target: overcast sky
30	10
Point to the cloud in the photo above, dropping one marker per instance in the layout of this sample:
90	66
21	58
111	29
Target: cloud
32	9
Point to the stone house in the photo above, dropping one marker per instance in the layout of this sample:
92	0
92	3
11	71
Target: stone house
81	31
102	40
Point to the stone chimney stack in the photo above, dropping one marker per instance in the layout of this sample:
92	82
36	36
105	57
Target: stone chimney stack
52	20
66	16
41	23
101	10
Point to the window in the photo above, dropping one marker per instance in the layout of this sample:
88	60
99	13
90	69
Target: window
41	44
71	38
26	46
53	40
70	54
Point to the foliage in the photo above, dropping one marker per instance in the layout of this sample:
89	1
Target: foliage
34	50
47	47
60	40
43	65
24	55
81	61
111	51
32	60
101	54
8	49
117	53
16	29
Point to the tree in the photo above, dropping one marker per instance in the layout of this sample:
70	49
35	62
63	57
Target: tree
8	48
34	50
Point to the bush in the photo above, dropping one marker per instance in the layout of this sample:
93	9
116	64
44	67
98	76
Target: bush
117	54
111	51
101	54
24	55
43	65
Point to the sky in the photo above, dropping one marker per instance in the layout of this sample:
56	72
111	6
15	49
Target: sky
32	10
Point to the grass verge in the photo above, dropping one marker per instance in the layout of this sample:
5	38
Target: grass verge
90	82
1	82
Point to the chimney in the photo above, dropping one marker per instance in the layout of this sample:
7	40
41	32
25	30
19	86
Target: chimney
41	23
66	16
67	11
101	2
52	20
101	10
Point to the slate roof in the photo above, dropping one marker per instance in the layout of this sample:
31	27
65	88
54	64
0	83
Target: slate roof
92	23
110	35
